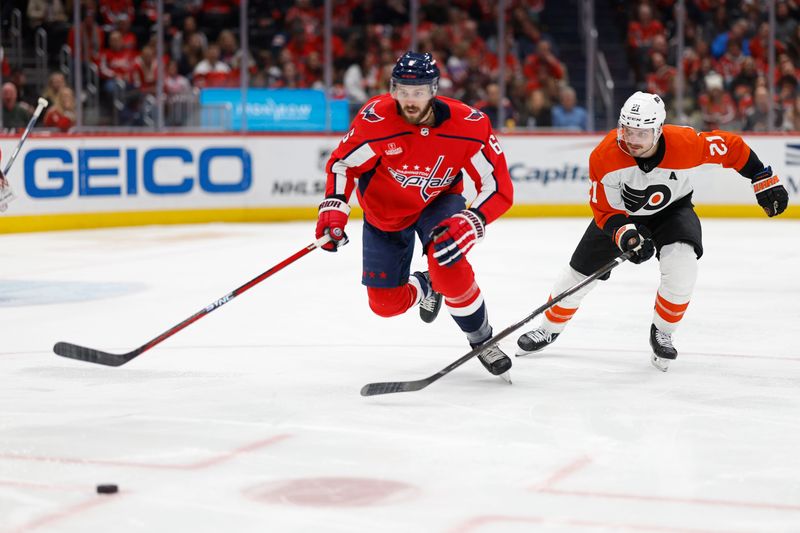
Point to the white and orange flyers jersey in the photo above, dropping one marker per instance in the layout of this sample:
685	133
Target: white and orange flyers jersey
620	187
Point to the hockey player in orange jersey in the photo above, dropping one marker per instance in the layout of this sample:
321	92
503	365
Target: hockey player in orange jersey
641	197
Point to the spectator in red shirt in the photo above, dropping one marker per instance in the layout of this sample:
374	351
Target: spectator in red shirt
116	64
716	105
211	71
640	37
544	56
61	114
660	80
92	42
113	11
145	71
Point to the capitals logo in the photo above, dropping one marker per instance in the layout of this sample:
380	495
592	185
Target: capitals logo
369	113
652	198
475	116
424	178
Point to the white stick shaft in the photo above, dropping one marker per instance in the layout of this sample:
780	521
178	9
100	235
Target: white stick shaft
31	122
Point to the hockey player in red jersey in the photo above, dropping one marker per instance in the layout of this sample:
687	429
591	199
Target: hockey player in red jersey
407	153
641	197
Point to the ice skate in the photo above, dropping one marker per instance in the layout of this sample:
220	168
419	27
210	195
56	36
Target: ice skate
495	361
430	304
534	341
663	350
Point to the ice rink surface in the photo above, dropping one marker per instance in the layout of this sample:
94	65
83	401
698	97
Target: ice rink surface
250	420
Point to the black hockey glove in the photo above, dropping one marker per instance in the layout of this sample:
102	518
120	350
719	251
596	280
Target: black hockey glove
770	193
630	236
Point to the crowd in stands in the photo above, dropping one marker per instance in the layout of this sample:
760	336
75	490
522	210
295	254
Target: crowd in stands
724	62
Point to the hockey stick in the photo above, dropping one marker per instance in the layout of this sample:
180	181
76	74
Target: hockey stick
6	193
389	387
73	351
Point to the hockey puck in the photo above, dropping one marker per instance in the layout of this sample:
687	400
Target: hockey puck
107	489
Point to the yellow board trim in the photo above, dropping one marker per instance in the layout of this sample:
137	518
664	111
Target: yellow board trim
31	223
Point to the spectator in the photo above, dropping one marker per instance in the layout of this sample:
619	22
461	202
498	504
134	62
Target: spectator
55	83
716	105
211	71
737	33
569	115
791	119
174	82
545	60
746	79
537	112
660	80
145	71
181	40
491	107
640	37
129	41
14	115
758	115
113	11
193	53
116	64
785	23
92	39
61	114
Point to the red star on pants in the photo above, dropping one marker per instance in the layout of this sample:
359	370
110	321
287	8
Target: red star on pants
383	275
372	274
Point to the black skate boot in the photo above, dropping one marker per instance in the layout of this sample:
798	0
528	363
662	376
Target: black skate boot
430	304
663	350
495	361
535	340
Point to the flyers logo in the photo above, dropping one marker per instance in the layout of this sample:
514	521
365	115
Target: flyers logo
475	116
369	113
652	198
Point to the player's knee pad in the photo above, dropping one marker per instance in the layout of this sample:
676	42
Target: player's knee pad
678	264
451	281
390	302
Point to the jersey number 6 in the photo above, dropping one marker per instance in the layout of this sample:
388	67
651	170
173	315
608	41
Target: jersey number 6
493	142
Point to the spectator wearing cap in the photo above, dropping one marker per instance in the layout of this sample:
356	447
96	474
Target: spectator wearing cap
716	105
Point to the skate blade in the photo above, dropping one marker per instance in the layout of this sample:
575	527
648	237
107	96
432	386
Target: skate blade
506	377
660	363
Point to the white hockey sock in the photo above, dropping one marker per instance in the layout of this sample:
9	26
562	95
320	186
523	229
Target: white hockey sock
556	318
678	264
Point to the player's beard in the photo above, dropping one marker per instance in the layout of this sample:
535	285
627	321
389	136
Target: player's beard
421	116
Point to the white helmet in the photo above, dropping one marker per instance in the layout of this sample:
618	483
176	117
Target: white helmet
642	110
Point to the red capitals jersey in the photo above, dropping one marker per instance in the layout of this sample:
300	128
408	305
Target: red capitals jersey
621	187
401	168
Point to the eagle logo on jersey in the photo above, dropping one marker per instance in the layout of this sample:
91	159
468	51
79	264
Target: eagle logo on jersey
652	198
475	116
425	179
369	113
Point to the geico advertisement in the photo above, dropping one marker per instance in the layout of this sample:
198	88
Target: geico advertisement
181	172
97	174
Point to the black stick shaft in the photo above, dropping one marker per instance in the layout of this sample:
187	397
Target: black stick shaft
372	389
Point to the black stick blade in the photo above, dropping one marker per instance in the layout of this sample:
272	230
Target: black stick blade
81	353
373	389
